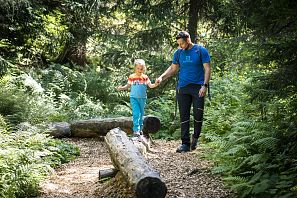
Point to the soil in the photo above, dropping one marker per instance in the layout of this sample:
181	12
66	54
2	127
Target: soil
186	175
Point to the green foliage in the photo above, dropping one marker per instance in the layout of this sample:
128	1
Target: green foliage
26	157
250	124
21	100
164	108
249	152
54	94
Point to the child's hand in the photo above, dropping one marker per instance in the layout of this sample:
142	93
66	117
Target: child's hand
153	85
119	88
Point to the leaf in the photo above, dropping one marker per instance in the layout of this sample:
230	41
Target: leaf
262	186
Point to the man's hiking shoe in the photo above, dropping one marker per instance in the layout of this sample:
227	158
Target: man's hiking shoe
183	148
194	143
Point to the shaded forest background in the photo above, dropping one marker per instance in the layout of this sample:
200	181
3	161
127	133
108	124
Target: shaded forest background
60	60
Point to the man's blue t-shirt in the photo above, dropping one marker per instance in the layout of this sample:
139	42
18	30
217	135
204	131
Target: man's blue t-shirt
191	70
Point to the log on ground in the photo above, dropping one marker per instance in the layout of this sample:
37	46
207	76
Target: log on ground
100	127
59	129
128	160
107	173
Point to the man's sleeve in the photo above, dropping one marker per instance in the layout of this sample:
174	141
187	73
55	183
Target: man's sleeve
176	57
205	55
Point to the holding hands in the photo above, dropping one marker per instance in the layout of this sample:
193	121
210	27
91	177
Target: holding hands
120	88
158	80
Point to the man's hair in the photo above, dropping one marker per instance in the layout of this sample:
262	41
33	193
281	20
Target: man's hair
182	34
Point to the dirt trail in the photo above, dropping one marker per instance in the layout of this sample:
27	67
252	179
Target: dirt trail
185	175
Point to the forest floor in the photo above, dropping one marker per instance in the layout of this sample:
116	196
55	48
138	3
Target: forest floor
186	175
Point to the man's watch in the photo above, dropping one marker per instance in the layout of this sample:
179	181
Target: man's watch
205	85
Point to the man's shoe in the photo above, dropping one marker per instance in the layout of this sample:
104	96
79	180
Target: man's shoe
183	148
194	143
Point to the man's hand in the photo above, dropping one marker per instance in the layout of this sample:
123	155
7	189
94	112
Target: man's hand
159	80
202	91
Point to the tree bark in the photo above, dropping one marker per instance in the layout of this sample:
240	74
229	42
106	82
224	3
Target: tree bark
107	172
73	54
59	129
100	127
193	18
74	51
136	170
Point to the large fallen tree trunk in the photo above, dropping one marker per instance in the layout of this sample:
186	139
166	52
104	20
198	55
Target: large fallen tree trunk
129	161
99	127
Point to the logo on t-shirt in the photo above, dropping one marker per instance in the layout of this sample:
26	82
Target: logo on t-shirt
188	59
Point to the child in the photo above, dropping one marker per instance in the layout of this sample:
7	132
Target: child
138	82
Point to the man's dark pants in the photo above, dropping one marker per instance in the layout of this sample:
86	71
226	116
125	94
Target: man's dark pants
186	96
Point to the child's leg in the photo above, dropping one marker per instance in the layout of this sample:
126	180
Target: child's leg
142	103
135	114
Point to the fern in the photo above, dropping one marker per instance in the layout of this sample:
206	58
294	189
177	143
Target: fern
267	144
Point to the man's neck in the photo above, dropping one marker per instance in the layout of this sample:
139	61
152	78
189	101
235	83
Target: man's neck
190	45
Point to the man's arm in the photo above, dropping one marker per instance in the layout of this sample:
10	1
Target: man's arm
207	72
168	73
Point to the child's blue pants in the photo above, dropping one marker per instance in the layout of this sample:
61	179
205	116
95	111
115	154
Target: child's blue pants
138	105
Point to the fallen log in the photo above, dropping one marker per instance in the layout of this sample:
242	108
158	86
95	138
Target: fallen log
128	160
107	173
59	129
100	127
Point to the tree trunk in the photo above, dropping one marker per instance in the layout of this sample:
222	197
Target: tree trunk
136	170
99	127
193	18
74	51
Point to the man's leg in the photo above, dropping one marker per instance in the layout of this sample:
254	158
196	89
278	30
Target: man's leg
135	114
198	109
184	104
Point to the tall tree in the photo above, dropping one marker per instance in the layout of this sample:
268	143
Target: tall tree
193	18
81	18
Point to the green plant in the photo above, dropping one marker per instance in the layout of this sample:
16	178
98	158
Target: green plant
26	157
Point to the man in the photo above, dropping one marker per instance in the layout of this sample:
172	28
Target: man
193	63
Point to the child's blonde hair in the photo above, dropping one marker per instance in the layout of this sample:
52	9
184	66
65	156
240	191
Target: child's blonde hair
140	62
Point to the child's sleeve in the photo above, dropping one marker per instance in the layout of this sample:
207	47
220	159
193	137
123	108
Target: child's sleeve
130	80
148	81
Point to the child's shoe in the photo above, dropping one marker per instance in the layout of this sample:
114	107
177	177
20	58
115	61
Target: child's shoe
136	134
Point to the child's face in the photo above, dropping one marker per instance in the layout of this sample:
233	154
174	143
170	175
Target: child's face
139	69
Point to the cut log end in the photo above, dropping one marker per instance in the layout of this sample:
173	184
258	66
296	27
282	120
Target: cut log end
151	124
59	129
151	187
107	172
